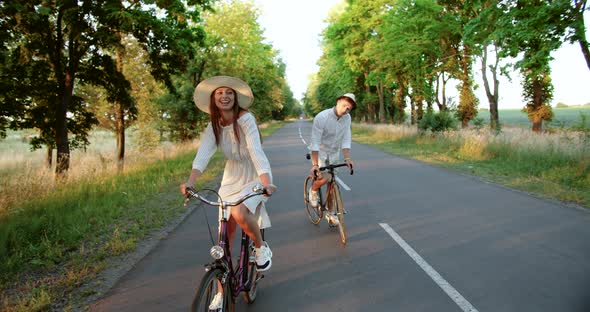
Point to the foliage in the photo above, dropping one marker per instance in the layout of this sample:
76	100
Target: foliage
583	123
50	47
561	105
234	46
437	121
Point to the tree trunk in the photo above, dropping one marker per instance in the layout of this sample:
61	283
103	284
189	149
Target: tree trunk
537	103
412	111
120	118
492	96
61	131
467	108
370	107
381	104
580	31
399	104
49	157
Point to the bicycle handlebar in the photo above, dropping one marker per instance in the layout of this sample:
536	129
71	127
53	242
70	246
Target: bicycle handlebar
328	167
191	192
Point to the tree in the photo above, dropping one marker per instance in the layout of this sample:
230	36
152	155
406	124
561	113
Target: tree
577	26
234	47
71	41
481	35
533	28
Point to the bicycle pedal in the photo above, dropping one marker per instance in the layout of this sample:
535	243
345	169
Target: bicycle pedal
260	276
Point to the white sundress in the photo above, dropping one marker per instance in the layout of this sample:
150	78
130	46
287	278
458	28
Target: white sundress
245	163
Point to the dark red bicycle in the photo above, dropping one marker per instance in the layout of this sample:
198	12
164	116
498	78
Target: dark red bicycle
221	272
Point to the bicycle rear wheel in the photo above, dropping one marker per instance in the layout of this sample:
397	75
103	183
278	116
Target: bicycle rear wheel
339	205
314	214
207	290
253	275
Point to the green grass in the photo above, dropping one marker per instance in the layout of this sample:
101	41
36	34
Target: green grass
563	117
550	166
52	244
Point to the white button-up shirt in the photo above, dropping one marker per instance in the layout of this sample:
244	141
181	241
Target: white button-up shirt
330	135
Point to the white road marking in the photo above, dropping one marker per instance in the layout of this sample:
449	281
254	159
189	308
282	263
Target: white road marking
301	136
346	187
437	278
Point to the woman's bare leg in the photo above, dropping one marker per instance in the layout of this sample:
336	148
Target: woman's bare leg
248	223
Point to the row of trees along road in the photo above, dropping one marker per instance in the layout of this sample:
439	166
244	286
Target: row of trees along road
69	66
390	52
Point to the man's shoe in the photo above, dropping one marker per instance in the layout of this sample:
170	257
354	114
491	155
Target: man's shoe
217	302
314	198
332	219
263	257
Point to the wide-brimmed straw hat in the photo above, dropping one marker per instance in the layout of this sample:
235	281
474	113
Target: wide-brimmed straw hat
202	95
350	96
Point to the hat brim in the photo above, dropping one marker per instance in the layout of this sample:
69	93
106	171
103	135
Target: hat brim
202	95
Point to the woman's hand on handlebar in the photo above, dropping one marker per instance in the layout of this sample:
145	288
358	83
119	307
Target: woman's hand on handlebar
269	189
185	186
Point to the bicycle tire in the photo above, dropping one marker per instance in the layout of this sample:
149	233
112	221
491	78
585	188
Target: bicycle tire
253	274
207	290
340	213
314	214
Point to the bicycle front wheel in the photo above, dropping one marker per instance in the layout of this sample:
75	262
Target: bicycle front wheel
340	213
314	214
208	288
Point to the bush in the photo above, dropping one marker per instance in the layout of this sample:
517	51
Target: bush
437	122
561	105
583	123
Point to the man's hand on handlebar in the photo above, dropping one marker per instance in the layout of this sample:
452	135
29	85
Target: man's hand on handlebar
349	164
314	171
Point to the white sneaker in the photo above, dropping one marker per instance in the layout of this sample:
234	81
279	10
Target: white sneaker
314	198
217	302
332	219
263	257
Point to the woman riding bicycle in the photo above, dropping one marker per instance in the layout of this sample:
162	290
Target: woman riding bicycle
233	128
330	139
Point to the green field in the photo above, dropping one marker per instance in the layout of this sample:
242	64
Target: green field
564	117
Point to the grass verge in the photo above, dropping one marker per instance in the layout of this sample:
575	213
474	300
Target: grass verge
555	166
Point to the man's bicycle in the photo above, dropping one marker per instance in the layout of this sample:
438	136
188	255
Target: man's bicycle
332	202
220	272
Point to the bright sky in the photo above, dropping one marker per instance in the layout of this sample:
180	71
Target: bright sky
293	27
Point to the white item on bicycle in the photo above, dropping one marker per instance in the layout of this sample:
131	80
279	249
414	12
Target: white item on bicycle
217	302
332	219
314	198
263	257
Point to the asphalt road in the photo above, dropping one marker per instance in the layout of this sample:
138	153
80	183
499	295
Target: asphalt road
420	238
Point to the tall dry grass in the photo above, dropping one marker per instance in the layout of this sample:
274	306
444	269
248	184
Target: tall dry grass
479	144
25	175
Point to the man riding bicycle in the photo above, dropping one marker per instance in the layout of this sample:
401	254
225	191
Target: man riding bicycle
330	140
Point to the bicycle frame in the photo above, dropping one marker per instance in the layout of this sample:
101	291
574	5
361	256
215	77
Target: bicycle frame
331	204
237	277
332	185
